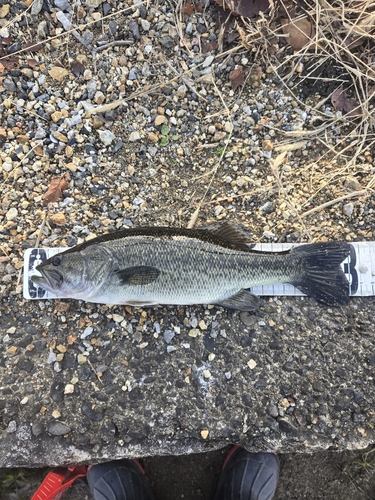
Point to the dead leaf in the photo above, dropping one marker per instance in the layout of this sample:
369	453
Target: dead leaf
10	62
77	68
191	6
209	46
32	47
341	102
32	63
237	77
300	32
61	307
55	190
58	73
245	8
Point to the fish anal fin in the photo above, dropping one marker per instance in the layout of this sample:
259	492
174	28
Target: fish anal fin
138	275
243	301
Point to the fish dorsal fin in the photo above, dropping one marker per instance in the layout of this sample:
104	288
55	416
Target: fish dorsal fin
233	234
138	275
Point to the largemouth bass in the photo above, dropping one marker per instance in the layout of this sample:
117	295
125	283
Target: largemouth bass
162	265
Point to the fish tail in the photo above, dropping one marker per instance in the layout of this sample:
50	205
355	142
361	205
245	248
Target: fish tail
322	276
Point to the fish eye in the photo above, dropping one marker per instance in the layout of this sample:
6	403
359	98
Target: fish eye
56	260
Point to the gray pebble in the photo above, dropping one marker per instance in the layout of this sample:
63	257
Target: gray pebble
112	27
145	24
37	429
11	214
171	348
9	84
132	75
106	137
63	5
61	17
12	426
133	26
58	429
348	209
168	336
268	207
36	7
272	410
167	41
228	375
134	136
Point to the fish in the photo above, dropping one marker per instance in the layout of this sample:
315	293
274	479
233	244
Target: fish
149	266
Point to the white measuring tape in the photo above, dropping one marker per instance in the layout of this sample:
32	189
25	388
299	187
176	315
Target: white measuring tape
359	268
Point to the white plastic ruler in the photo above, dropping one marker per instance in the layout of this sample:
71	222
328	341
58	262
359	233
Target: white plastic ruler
359	268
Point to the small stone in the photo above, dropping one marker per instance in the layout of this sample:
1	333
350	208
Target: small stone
58	429
81	359
23	139
58	219
168	336
86	332
272	410
4	10
159	120
202	325
12	427
37	429
59	136
99	97
167	41
56	414
106	136
145	24
153	137
134	136
56	116
93	4
219	136
118	318
69	389
58	73
63	5
194	332
11	214
24	400
207	374
267	145
36	7
268	207
348	209
251	364
204	433
9	84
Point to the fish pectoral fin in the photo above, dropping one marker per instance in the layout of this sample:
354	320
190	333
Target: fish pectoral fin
138	275
243	301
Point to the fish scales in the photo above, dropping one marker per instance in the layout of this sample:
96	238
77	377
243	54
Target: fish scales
192	270
146	266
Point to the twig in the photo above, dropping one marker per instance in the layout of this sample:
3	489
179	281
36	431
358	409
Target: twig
40	231
333	202
113	44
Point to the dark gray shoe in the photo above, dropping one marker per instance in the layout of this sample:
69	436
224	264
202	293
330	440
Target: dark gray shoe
248	476
119	480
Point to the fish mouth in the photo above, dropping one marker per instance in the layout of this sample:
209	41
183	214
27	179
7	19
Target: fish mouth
51	279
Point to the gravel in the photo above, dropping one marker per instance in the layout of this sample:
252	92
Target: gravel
137	117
